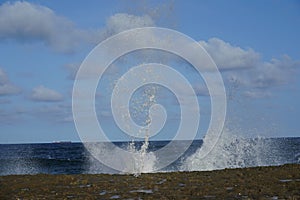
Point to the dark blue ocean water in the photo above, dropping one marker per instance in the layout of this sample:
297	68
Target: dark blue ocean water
72	158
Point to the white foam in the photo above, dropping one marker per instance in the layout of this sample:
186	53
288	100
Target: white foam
141	161
231	151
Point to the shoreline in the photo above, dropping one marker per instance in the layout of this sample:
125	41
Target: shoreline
270	182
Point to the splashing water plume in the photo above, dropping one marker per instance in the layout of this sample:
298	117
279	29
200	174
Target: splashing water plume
235	151
144	161
140	160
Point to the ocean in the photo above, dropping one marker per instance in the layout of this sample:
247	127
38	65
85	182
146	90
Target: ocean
73	158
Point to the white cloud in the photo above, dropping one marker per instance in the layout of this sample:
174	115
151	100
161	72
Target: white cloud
42	93
26	22
247	71
122	21
6	87
227	56
257	94
274	73
114	24
264	75
244	69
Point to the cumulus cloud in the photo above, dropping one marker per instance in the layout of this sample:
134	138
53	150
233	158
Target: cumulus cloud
122	21
265	75
274	73
42	93
24	21
114	24
227	56
6	87
240	68
245	68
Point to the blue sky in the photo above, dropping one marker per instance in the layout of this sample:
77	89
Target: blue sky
42	43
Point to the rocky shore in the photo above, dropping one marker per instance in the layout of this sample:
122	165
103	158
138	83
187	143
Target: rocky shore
276	182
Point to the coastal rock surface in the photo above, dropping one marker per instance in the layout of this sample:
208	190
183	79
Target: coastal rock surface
275	182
